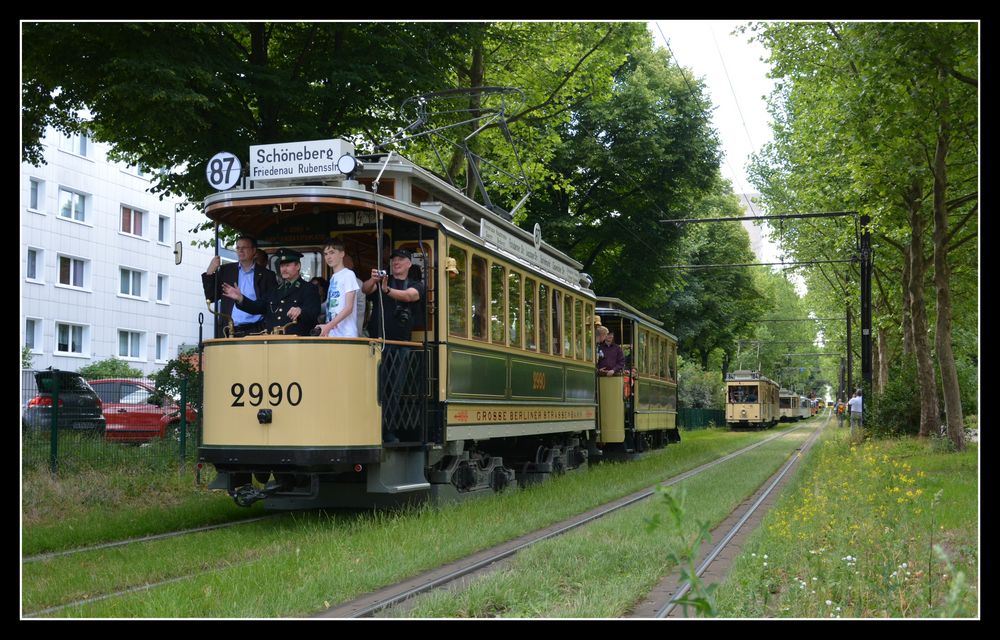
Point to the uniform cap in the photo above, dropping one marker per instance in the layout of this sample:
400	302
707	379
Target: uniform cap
288	255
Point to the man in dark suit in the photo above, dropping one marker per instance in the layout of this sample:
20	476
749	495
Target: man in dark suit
254	281
293	305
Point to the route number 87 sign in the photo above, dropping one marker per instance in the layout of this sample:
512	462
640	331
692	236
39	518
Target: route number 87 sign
223	170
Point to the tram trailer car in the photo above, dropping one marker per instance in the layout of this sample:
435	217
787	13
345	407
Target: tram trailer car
497	385
751	400
788	406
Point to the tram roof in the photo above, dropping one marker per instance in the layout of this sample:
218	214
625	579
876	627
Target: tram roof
256	208
620	307
746	375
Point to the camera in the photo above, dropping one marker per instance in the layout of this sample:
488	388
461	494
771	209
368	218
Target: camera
382	273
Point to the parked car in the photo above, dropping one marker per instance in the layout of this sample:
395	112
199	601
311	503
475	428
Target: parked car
135	412
80	407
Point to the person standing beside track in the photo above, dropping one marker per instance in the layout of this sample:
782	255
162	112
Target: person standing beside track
854	406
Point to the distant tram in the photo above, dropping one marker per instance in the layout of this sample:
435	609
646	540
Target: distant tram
792	406
752	401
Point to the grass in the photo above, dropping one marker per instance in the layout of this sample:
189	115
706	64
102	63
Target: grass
602	570
856	535
306	562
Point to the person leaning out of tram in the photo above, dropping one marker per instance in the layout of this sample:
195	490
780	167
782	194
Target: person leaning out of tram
293	305
610	359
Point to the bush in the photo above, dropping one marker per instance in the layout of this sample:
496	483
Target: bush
897	410
168	380
110	368
698	389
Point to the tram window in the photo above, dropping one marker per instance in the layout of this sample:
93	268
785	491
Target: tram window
673	362
578	330
498	306
543	318
661	357
642	352
458	315
556	322
588	339
312	265
529	315
514	308
478	297
568	326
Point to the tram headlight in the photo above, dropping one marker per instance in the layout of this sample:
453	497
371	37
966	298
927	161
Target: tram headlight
348	165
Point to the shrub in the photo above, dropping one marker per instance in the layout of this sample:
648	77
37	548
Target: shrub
168	380
110	368
698	389
897	410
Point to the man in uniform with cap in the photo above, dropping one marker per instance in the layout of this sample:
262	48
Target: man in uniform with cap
293	301
395	299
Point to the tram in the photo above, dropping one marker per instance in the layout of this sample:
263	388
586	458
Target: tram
752	400
498	381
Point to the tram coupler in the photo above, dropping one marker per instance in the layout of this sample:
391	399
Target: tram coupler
248	494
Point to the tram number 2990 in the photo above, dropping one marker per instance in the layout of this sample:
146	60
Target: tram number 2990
276	394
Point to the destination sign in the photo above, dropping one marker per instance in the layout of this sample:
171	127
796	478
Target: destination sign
503	240
287	160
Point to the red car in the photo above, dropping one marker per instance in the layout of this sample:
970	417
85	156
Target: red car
134	412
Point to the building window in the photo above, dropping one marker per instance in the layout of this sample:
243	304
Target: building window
161	347
36	194
131	221
72	272
70	338
163	230
129	344
72	205
131	283
32	334
33	265
162	288
74	143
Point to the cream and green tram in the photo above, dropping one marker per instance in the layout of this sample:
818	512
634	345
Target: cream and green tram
497	384
638	410
752	400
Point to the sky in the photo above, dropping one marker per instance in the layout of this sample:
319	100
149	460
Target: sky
736	76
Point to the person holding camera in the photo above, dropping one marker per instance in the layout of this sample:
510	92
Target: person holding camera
394	296
395	304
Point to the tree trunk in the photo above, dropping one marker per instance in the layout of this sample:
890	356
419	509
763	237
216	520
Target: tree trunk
882	379
907	322
942	275
918	317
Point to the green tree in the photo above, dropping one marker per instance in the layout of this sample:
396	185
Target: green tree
882	119
110	368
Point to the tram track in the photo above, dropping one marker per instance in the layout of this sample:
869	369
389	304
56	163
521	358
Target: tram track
714	560
453	574
158	536
396	595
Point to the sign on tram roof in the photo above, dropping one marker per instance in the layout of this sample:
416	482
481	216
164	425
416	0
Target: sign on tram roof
290	160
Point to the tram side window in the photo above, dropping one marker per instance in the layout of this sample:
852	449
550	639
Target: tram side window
578	332
478	297
642	352
514	308
530	342
568	327
588	340
661	357
458	314
543	318
498	305
556	322
673	362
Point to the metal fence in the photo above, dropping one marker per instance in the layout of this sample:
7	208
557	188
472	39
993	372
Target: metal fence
71	424
700	418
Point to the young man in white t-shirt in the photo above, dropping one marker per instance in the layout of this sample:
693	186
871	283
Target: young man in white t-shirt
340	296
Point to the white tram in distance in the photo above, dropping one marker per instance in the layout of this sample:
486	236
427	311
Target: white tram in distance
751	400
497	384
